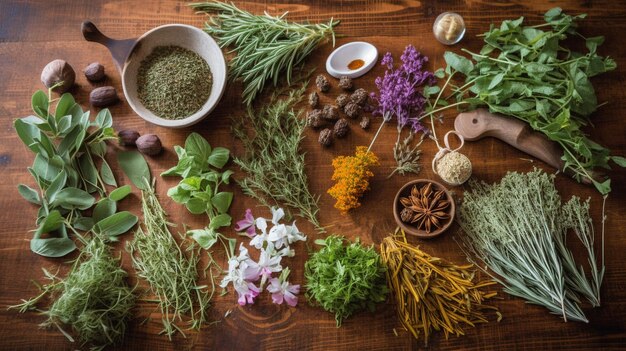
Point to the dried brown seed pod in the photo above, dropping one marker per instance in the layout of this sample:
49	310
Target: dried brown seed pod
406	215
326	137
149	144
314	99
314	119
330	112
345	83
322	83
365	122
103	96
359	97
352	110
342	100
58	71
94	72
341	128
128	137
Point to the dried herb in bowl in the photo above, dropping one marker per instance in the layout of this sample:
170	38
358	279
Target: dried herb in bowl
173	82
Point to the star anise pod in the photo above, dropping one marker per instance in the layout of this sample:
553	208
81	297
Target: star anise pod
428	207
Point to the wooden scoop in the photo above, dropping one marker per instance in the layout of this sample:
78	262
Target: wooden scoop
481	123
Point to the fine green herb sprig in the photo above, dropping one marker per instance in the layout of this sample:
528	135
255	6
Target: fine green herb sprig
517	228
529	73
267	47
93	300
199	190
169	270
345	278
273	163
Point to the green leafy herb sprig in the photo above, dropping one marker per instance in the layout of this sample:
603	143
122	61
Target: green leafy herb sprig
529	72
344	279
518	229
94	299
268	47
67	144
273	163
169	268
199	190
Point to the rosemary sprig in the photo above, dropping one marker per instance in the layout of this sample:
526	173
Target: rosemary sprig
268	47
171	273
273	163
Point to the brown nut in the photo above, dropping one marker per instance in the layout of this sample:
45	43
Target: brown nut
128	137
103	96
58	71
326	137
149	144
94	72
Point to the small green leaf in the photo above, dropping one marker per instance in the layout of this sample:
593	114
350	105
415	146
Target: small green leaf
226	176
179	194
104	118
120	193
29	194
219	221
222	200
66	102
191	183
103	209
40	103
459	63
205	238
621	161
74	198
83	223
440	73
135	167
116	224
27	133
219	157
604	187
107	174
196	206
57	184
52	247
197	146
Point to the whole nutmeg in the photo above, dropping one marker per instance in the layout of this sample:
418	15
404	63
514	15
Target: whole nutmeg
128	137
352	110
326	137
94	72
314	119
314	99
149	144
330	112
365	122
103	96
341	128
345	83
342	100
322	83
360	96
58	71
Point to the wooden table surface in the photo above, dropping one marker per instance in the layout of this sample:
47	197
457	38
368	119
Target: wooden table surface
32	33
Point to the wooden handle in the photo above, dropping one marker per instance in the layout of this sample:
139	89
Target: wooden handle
481	123
119	49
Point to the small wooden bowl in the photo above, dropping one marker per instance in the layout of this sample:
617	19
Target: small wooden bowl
405	191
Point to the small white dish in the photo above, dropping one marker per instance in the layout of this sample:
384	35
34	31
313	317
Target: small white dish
337	62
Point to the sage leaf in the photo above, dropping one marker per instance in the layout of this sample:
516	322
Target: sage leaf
222	220
40	104
222	200
66	102
29	194
219	157
120	193
135	167
89	172
115	225
74	198
57	184
103	209
52	247
83	223
107	174
27	133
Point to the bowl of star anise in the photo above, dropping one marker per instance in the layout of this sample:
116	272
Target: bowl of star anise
424	208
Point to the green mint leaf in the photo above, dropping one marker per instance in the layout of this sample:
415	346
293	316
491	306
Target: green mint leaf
197	146
226	176
196	206
120	193
219	157
603	187
135	167
459	63
219	221
205	238
222	200
179	194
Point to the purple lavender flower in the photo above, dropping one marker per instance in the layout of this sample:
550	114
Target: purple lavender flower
247	224
399	90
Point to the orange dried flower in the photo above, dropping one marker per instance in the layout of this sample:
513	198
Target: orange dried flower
352	176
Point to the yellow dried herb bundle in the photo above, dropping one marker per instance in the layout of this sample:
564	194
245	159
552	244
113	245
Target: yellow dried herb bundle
352	175
430	293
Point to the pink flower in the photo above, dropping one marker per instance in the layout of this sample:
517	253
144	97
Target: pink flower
283	291
247	224
247	295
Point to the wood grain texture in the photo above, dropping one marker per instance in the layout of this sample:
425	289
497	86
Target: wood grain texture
34	32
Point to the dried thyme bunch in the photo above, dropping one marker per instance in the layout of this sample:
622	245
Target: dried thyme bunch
171	273
273	163
517	228
268	47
